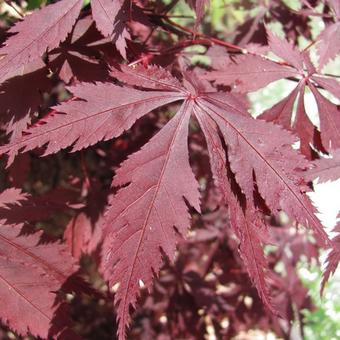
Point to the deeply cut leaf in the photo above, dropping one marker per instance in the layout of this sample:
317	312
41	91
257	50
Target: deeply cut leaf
143	216
103	111
41	31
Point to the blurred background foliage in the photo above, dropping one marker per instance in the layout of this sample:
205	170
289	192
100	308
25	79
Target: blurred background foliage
223	16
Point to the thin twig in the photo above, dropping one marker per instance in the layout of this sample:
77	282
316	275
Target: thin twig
200	35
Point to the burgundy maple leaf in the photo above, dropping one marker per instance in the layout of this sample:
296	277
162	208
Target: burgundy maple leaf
149	213
41	31
326	47
198	149
251	72
325	169
31	275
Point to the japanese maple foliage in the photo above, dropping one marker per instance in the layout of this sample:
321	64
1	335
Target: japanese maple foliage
167	182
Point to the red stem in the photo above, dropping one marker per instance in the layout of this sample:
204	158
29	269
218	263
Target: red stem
201	35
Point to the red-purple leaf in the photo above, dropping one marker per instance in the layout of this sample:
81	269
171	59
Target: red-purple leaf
327	49
30	276
111	17
250	73
281	112
103	111
332	261
245	223
41	31
81	236
143	216
153	77
11	196
325	169
329	115
254	164
251	153
329	84
303	126
16	114
283	49
73	66
38	208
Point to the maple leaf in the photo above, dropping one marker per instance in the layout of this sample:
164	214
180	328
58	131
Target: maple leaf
326	49
147	216
30	275
153	77
100	116
10	196
81	236
329	115
36	208
137	223
239	75
256	170
249	153
16	114
41	31
111	17
303	127
286	51
76	59
83	233
249	73
332	260
281	114
133	222
245	223
325	169
329	84
246	136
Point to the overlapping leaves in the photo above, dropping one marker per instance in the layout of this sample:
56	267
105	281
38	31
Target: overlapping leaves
240	75
252	161
150	213
31	274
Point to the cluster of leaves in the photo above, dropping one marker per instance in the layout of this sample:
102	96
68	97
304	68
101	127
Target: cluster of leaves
111	81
